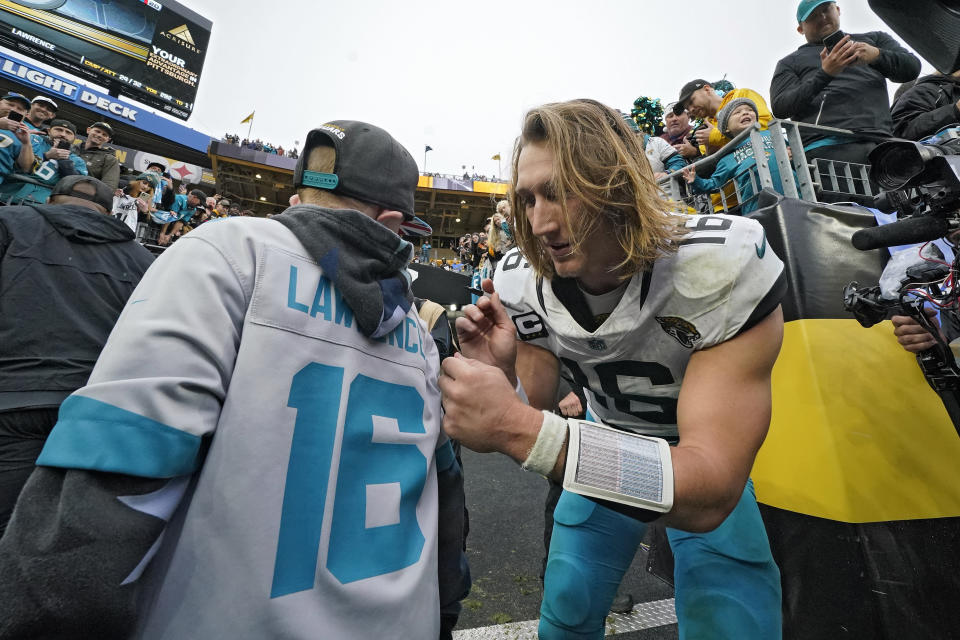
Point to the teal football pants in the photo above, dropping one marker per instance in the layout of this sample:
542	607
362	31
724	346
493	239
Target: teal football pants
726	583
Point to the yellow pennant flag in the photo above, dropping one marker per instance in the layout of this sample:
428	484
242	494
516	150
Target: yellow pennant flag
496	157
248	118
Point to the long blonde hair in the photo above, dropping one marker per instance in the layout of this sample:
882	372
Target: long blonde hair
322	159
600	163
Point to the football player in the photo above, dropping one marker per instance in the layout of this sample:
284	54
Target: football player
672	325
257	454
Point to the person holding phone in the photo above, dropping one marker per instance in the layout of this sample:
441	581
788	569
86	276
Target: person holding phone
15	148
839	80
56	158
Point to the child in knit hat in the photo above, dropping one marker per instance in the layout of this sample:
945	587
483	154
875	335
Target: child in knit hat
739	114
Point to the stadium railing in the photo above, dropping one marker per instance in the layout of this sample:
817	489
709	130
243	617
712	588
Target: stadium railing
816	181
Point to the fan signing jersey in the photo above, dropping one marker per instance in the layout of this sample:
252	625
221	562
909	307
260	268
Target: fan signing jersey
313	513
722	280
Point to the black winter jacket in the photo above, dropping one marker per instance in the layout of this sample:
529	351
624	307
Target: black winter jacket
65	274
927	107
855	99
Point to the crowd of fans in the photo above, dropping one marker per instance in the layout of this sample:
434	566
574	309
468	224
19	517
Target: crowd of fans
474	252
843	87
466	176
37	150
260	145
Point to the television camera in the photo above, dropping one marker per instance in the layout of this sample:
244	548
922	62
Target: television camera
921	182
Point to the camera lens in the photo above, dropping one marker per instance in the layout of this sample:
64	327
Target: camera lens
896	163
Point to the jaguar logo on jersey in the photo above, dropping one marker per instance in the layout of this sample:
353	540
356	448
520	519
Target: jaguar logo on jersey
684	331
530	326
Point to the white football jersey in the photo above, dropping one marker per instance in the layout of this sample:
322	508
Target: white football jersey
722	280
314	513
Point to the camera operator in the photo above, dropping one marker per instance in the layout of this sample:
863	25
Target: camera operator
928	106
911	336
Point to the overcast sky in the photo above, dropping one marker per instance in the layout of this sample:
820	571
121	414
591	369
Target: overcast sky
458	76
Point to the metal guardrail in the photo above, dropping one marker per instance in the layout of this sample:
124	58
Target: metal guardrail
798	177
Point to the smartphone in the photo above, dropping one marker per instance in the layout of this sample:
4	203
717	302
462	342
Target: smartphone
63	144
833	39
16	117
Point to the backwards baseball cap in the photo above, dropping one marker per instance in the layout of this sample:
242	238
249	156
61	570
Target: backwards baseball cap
102	194
723	117
66	124
806	7
47	101
19	97
685	93
370	166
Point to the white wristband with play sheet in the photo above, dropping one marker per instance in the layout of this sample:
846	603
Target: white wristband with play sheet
618	466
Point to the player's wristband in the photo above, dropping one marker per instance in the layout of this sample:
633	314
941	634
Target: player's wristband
543	456
619	466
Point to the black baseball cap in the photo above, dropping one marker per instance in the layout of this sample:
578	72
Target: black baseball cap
66	124
103	195
685	93
102	125
18	97
371	166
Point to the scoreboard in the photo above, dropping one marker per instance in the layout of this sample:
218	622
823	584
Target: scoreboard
150	50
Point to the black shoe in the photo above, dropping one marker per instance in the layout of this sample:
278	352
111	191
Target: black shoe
622	604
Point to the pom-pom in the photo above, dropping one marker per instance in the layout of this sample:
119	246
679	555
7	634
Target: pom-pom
723	86
648	114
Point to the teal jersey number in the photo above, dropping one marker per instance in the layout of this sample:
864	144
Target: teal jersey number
355	552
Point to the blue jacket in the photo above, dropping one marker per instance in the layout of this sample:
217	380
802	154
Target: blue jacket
737	166
180	207
10	147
